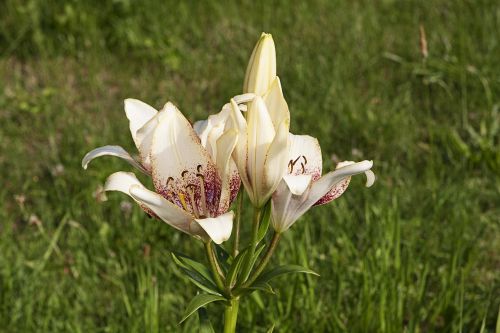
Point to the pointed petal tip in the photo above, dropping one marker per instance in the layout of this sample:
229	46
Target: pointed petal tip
370	178
218	228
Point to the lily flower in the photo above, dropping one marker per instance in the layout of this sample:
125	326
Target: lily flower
193	187
261	151
303	186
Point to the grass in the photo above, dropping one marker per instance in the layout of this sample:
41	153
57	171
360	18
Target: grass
418	252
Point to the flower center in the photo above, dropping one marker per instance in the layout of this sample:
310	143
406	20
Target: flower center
189	196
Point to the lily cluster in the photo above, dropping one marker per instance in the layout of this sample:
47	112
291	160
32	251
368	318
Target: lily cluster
197	171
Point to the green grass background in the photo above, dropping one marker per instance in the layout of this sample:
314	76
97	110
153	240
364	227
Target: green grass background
418	252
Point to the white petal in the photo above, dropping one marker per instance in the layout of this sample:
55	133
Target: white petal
112	151
144	135
276	103
297	184
304	156
121	181
284	206
276	162
237	122
328	182
370	178
261	69
225	147
261	134
244	98
166	211
179	162
138	113
218	228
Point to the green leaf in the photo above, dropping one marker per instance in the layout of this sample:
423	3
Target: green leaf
260	286
201	282
271	330
282	270
222	257
235	267
252	261
264	222
197	302
196	273
205	324
191	264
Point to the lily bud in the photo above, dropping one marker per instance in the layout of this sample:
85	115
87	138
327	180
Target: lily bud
261	69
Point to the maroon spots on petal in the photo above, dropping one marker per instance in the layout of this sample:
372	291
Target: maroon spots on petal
334	193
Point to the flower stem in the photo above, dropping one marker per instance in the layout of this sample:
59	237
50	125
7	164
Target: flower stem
247	266
265	260
216	271
236	244
231	315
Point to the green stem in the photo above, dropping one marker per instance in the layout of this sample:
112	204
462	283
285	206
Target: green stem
231	315
236	244
216	271
247	267
265	260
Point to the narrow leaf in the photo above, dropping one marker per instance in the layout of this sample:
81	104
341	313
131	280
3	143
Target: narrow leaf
282	270
199	301
235	268
191	264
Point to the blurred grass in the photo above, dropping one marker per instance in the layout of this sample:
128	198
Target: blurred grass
418	252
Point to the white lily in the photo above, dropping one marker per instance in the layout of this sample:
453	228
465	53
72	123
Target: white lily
193	187
303	186
262	148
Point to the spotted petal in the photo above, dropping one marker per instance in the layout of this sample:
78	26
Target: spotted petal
182	169
304	156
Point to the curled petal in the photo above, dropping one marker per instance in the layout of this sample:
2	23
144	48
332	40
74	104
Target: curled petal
138	114
333	184
370	178
116	151
218	228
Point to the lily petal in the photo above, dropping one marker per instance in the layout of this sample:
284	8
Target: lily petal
261	69
218	228
261	134
237	122
275	165
144	135
225	147
276	103
181	164
112	151
138	114
333	184
167	211
305	156
297	184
